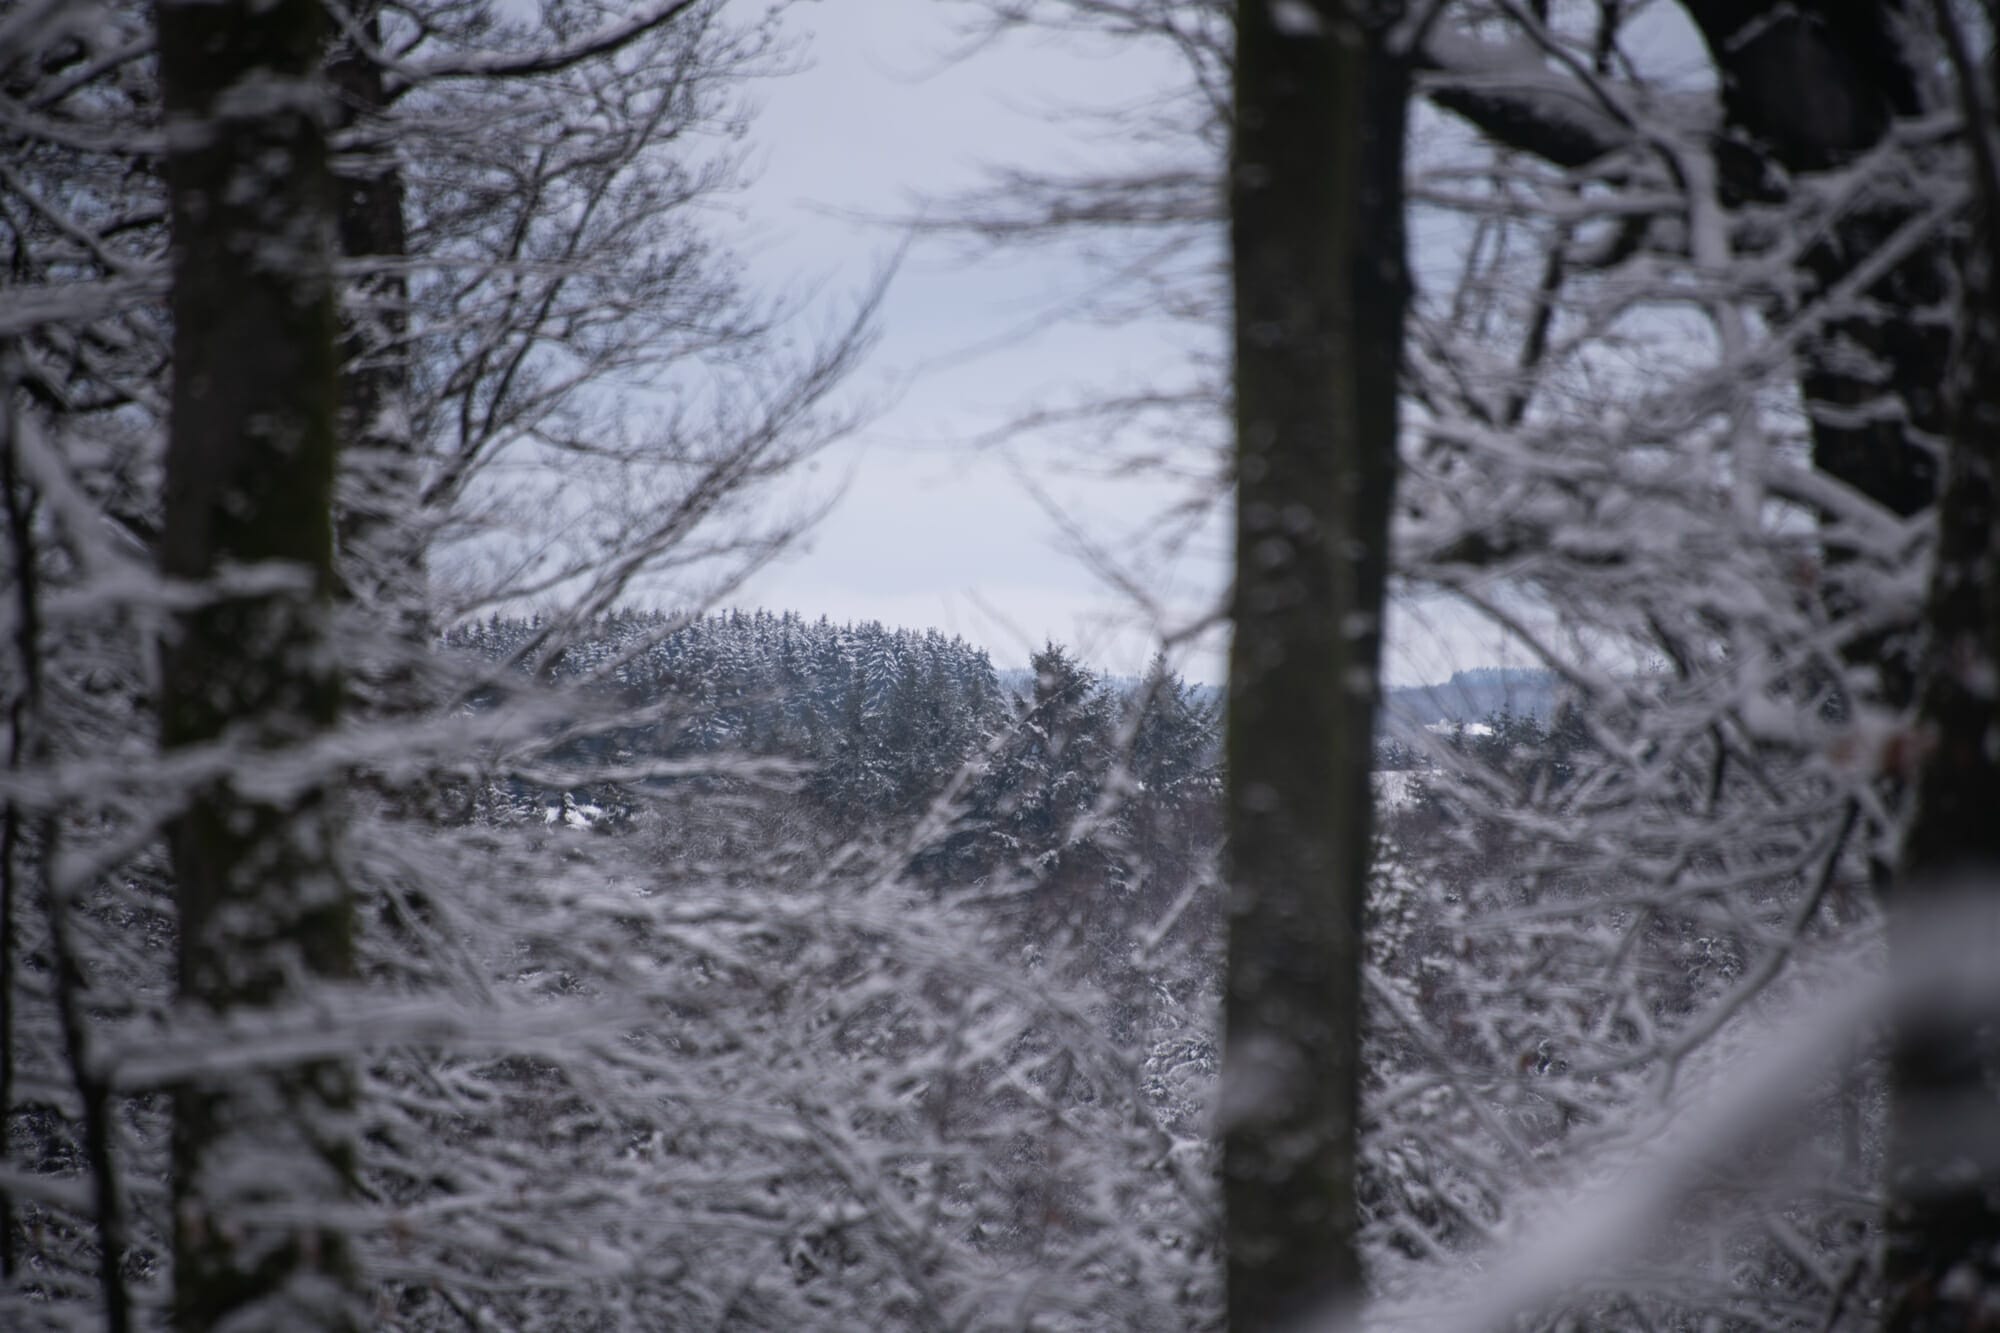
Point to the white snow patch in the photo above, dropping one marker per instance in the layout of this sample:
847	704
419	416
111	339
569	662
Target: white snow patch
1396	790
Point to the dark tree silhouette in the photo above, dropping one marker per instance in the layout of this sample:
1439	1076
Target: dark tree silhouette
1942	1257
1317	248
260	1155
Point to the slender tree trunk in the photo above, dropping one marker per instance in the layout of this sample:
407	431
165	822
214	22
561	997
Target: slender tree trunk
1942	1259
21	710
383	565
259	1157
1320	287
29	746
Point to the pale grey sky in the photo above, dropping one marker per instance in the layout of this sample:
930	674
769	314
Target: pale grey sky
932	530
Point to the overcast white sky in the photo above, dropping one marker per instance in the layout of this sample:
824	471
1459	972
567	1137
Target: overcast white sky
933	530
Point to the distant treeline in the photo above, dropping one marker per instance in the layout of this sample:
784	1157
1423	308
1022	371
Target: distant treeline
881	715
1475	695
1060	782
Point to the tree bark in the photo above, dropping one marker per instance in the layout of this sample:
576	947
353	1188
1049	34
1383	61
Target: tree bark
1808	89
1317	248
258	1156
1942	1244
383	564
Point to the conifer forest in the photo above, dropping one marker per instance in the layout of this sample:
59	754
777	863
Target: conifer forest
435	895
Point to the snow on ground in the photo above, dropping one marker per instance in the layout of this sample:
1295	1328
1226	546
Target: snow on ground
1396	790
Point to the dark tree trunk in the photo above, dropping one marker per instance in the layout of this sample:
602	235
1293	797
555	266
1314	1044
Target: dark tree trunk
1942	1260
1809	88
258	1156
383	566
1316	186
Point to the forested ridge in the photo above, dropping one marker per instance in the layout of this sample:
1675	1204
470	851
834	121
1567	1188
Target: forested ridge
880	716
886	728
